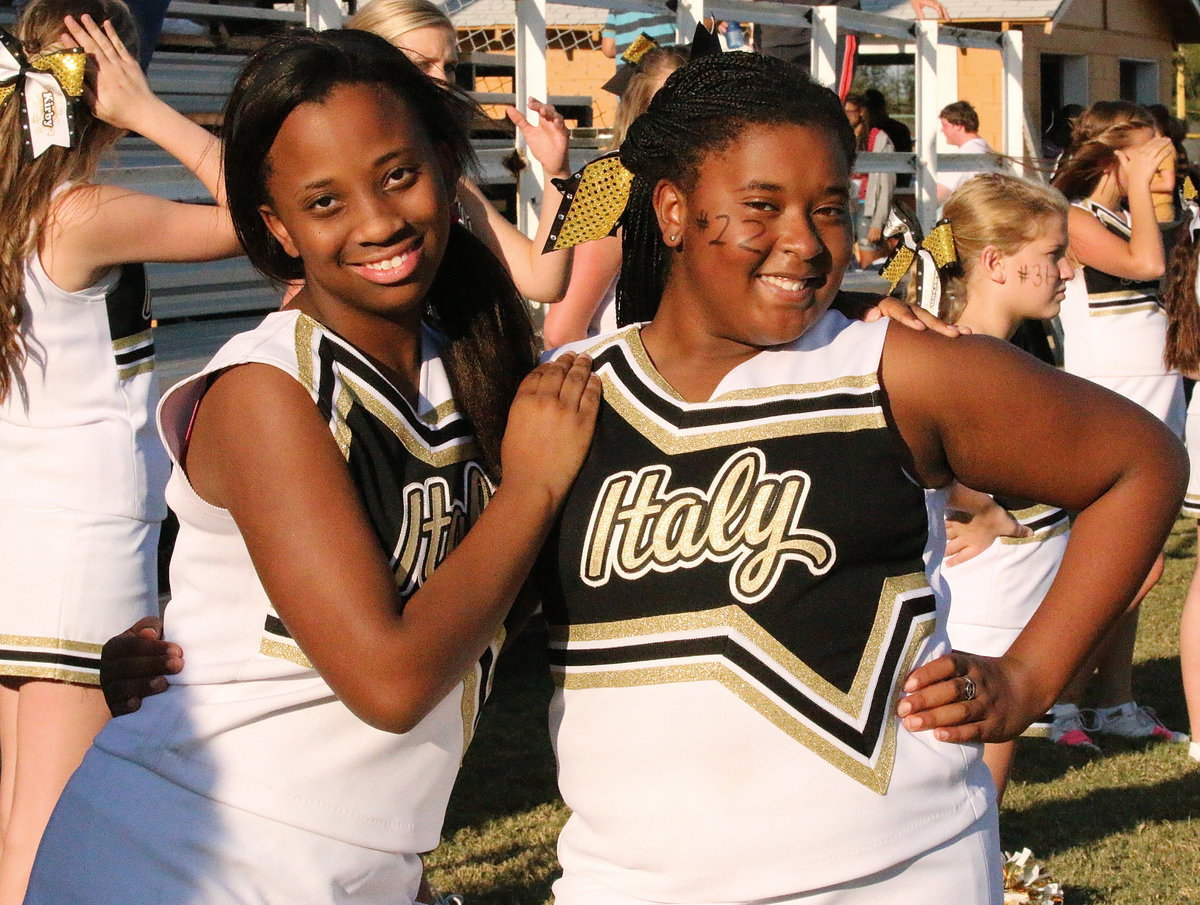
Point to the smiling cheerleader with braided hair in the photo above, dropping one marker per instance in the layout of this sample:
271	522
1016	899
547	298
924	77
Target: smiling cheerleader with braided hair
757	700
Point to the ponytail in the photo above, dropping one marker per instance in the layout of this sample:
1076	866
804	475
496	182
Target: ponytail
490	345
1182	306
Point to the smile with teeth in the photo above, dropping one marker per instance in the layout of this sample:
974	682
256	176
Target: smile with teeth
390	264
789	284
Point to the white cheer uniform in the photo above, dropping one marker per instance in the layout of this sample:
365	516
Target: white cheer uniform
248	781
740	595
1191	500
994	595
1115	333
82	474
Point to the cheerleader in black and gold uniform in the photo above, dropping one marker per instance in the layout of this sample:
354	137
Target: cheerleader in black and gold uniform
756	697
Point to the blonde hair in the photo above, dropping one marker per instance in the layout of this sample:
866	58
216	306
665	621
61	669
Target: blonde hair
27	186
391	19
657	64
993	209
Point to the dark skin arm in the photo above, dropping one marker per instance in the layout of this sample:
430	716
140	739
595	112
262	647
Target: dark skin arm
390	661
952	405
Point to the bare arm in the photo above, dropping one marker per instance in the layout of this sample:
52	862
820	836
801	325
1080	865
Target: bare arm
120	95
973	523
596	266
96	227
1141	258
539	277
390	661
920	7
953	406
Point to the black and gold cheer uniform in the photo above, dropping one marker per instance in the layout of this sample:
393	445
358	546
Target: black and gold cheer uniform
740	595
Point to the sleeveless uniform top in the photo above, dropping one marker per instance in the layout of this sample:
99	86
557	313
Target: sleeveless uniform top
994	595
1114	327
740	595
76	431
249	722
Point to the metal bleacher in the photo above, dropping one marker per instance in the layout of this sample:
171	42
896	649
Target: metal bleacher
199	306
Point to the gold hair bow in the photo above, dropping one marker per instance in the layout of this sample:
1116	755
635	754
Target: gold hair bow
45	85
932	254
593	201
641	46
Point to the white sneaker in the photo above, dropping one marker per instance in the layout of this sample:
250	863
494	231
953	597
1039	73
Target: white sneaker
1194	750
1067	728
1132	720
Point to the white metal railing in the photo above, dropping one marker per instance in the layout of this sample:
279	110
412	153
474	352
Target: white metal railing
936	74
934	47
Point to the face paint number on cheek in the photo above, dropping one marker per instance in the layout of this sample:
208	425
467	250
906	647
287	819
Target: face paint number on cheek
718	240
1039	274
702	221
745	245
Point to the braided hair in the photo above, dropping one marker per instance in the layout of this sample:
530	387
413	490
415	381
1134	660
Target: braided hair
703	108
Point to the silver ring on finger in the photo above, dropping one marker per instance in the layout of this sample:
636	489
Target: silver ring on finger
970	689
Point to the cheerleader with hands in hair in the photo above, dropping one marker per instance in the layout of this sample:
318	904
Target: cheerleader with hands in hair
1115	334
757	699
332	468
81	468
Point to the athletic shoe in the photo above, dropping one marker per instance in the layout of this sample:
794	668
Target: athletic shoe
1132	720
1194	750
1068	728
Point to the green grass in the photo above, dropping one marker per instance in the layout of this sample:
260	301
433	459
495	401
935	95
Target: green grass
1121	829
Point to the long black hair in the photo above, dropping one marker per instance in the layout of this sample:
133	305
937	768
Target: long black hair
490	340
704	107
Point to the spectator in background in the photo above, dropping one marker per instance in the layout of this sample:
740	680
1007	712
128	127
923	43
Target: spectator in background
871	192
899	133
1168	205
622	28
960	127
1058	136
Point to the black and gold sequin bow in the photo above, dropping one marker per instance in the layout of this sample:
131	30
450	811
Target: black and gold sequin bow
593	201
45	84
932	254
1191	207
